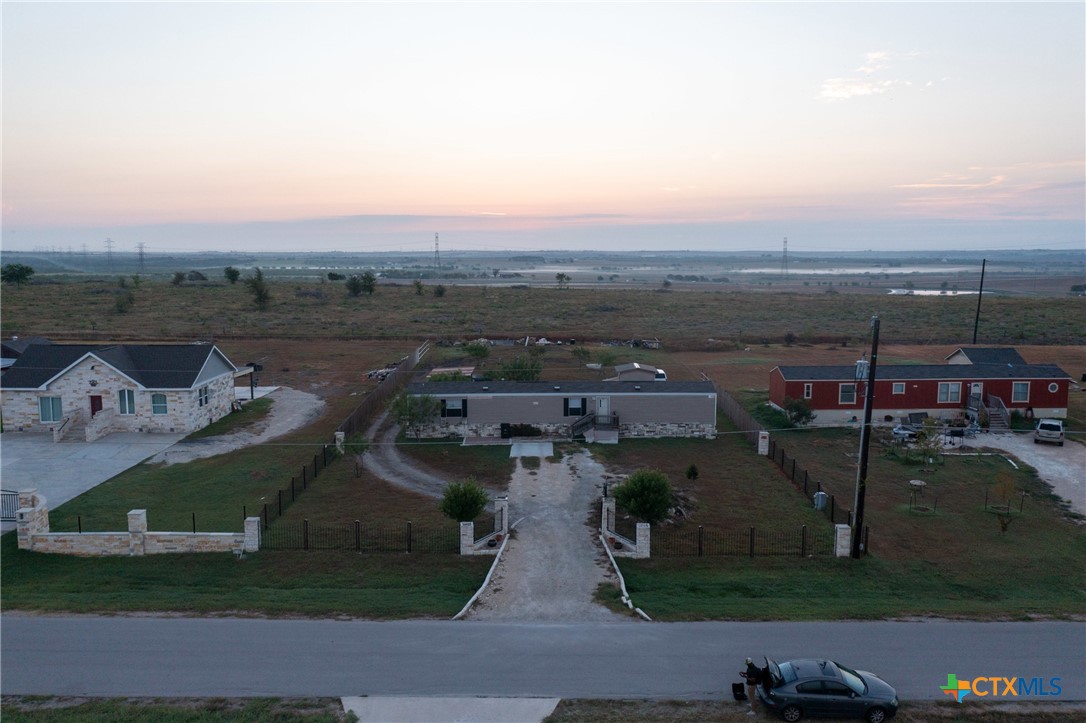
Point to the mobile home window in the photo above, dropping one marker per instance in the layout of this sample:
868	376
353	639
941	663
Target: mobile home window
49	409
203	395
950	392
899	387
575	407
808	390
158	404
846	394
1020	392
126	401
454	407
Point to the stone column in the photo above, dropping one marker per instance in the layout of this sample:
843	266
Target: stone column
842	541
137	530
643	544
252	534
501	515
340	437
607	511
31	519
467	538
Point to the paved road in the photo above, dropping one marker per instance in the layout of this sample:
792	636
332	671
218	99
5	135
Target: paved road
120	656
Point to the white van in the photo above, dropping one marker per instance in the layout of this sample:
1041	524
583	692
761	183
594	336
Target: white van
661	375
1049	430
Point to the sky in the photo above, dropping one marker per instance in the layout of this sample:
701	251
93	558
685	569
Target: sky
701	126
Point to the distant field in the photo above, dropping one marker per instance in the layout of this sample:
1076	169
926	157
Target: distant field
686	319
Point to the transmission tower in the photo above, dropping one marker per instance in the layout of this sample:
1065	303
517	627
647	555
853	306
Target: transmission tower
784	259
140	246
109	254
437	256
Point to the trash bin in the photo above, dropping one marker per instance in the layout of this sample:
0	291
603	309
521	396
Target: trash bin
507	430
820	498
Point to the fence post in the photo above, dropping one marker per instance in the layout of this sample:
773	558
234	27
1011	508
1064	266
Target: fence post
315	458
265	516
803	541
303	477
357	536
409	535
752	542
243	515
793	469
324	454
305	534
194	523
806	476
79	519
701	531
291	489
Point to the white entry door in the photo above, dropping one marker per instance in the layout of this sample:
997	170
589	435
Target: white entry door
603	406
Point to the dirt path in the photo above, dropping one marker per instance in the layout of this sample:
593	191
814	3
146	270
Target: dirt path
383	459
291	409
553	563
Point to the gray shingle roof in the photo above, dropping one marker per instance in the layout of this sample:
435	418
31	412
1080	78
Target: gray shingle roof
153	366
907	372
561	388
991	355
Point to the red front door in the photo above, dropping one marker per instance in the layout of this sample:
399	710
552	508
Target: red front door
96	404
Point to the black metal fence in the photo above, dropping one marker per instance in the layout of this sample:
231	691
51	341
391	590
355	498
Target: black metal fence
699	542
9	505
355	537
798	475
275	505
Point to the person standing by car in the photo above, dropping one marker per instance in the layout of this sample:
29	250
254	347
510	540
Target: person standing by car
753	675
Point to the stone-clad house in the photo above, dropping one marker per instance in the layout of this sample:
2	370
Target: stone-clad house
571	408
81	390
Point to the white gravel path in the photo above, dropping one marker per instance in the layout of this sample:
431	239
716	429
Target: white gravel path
1064	468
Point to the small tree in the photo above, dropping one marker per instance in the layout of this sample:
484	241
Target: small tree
258	287
410	412
355	286
692	473
17	274
178	278
439	291
232	275
369	282
562	279
580	353
647	494
333	276
789	339
666	284
463	501
798	411
521	369
418	287
195	276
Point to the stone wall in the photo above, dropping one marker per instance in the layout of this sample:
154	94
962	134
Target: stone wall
639	548
468	545
33	534
650	430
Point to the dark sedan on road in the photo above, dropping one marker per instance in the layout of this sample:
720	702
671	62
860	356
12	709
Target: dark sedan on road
823	688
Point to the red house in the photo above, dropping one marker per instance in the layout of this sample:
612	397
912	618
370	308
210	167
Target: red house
959	388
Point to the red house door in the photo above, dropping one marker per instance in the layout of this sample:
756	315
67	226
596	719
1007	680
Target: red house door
96	404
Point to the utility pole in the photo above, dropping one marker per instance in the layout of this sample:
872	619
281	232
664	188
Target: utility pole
140	246
784	259
865	444
980	294
437	256
109	254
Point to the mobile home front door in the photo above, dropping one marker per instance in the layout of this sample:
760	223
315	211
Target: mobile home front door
603	406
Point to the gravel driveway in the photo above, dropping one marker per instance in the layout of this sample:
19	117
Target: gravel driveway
1064	468
553	562
292	409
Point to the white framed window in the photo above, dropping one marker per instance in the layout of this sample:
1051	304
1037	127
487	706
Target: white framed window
49	409
126	401
899	388
203	395
575	406
1053	387
158	404
846	394
1020	392
950	392
808	390
454	407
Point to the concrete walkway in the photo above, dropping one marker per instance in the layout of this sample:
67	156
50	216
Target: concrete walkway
391	709
63	470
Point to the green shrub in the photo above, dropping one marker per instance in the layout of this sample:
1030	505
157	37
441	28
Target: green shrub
646	493
463	501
